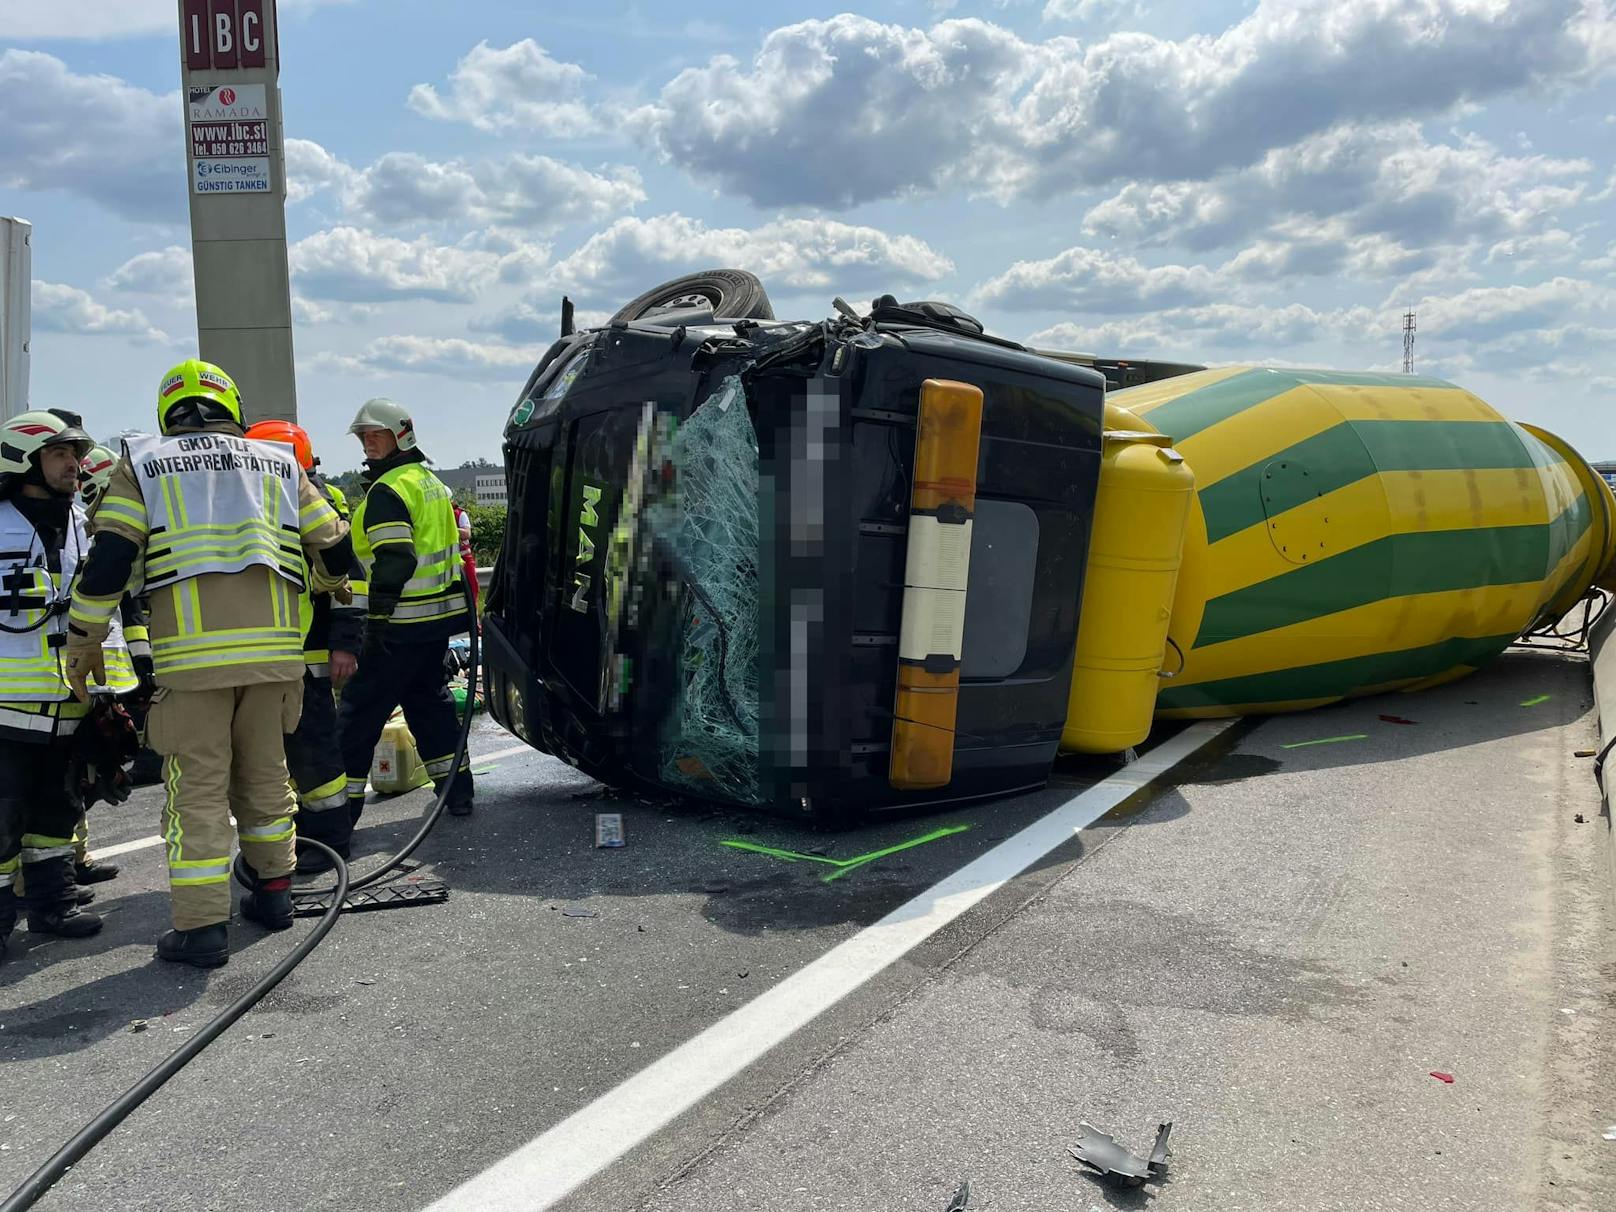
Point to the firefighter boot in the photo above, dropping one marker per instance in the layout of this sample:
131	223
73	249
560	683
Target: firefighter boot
92	871
50	900
270	903
8	917
203	947
334	827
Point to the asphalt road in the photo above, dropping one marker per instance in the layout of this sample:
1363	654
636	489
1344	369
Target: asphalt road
1274	948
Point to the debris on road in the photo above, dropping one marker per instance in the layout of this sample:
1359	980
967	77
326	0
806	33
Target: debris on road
1442	1077
1586	753
1100	1151
1396	719
609	829
1533	702
579	911
138	1025
1328	740
962	1197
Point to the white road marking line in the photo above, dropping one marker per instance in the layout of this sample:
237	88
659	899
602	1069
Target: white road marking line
106	852
556	1162
145	843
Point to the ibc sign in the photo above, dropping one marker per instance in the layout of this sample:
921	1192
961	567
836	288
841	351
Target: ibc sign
223	33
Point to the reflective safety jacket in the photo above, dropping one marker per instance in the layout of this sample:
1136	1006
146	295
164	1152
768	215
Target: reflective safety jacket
214	529
409	548
35	701
327	623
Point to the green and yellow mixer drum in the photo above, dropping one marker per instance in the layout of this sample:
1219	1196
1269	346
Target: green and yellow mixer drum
1281	539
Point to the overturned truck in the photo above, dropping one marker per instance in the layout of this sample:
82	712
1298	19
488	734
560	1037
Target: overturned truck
888	559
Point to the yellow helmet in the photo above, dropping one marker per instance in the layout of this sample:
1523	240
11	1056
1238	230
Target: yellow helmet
204	386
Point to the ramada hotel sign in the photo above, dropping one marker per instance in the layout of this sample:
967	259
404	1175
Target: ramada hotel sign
223	34
228	123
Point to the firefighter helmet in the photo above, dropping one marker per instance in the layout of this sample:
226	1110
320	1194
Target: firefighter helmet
288	433
211	393
23	436
382	413
95	473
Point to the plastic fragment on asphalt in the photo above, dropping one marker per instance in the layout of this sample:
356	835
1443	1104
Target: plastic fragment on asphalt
1586	753
1396	719
1533	702
609	830
1101	1152
1328	740
579	911
1610	1132
1442	1077
962	1198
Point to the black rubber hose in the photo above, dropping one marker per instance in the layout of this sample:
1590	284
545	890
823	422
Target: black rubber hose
42	1179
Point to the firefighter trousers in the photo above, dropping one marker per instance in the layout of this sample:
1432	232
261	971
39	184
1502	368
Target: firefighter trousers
223	755
314	759
412	676
38	813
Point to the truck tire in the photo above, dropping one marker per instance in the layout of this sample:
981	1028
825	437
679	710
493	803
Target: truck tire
733	294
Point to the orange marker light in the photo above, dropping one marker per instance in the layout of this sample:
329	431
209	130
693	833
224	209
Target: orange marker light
936	577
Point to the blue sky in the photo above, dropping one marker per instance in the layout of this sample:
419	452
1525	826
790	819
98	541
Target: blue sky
1256	182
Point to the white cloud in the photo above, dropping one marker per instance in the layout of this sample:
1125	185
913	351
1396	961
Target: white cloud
1087	12
633	255
1513	326
527	191
310	169
517	87
164	273
1383	180
846	110
1088	280
92	135
60	308
348	265
449	356
308	312
104	19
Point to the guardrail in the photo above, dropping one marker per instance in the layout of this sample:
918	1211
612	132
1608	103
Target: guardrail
1602	660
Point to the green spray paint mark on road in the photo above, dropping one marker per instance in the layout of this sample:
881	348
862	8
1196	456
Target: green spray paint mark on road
1542	698
1328	740
843	866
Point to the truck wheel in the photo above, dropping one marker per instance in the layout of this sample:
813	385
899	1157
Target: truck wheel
733	294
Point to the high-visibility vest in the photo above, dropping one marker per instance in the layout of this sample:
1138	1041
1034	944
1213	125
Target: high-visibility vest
33	617
217	503
433	593
337	497
313	616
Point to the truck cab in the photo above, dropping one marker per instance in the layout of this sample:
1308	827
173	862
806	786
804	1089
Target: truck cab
708	585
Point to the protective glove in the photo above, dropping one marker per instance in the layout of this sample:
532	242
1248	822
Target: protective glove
146	673
84	665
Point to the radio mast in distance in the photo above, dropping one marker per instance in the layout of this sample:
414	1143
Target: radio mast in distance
1408	342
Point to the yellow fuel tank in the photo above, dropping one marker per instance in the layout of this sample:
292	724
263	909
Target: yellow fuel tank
1353	533
1146	489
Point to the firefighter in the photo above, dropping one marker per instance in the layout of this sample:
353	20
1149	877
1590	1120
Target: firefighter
331	636
95	473
409	548
225	534
43	544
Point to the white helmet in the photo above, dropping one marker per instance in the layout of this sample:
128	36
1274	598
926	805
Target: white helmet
26	434
382	413
95	473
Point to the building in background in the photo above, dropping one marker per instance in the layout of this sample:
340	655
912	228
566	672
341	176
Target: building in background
1607	471
490	488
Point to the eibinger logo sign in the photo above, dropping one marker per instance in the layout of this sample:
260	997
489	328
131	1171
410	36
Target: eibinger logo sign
232	176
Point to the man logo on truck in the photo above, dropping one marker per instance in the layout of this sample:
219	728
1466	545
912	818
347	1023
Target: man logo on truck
587	518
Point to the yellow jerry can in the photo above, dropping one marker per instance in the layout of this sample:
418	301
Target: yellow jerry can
396	766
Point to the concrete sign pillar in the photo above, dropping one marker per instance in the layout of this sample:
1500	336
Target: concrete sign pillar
16	314
229	72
